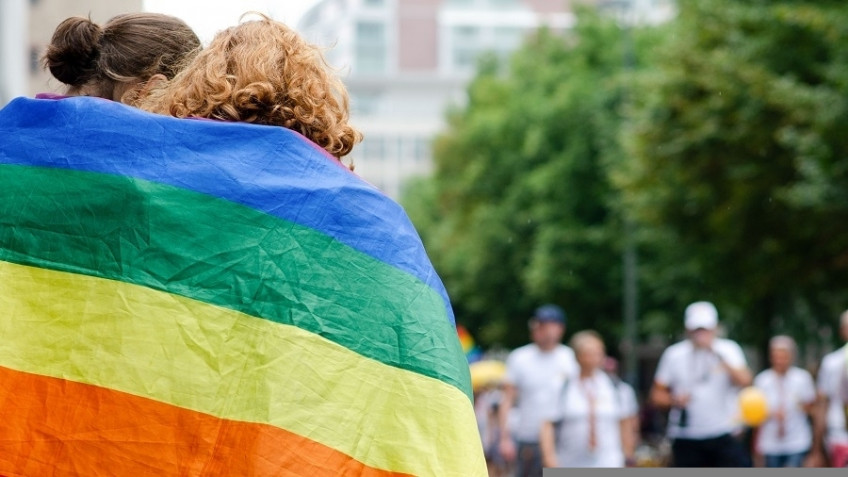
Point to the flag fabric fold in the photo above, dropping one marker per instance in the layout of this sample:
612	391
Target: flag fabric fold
192	297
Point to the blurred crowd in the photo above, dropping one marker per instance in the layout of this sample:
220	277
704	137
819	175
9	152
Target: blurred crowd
556	405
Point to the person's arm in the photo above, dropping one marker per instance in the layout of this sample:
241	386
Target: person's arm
660	395
664	399
817	410
732	359
740	376
506	446
757	458
547	445
630	406
628	439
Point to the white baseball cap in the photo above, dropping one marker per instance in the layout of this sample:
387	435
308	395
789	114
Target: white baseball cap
701	314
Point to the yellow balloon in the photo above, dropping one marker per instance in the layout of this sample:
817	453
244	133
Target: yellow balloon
753	406
485	373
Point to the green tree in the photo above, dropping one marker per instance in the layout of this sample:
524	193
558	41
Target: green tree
741	158
520	210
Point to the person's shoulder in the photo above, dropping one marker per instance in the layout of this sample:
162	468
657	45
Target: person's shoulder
564	350
764	375
613	379
799	373
607	379
522	352
678	348
726	344
833	359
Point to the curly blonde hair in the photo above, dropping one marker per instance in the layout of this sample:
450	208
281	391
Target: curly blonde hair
262	72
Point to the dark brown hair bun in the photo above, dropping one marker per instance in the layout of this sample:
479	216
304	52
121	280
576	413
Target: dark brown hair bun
73	50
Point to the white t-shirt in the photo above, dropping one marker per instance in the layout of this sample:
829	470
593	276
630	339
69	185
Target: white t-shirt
537	377
712	408
790	392
573	412
830	381
627	396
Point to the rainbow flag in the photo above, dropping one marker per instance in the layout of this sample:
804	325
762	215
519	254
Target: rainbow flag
469	346
191	297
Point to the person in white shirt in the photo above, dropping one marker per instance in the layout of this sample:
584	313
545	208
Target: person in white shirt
630	409
698	379
588	426
534	375
831	382
786	437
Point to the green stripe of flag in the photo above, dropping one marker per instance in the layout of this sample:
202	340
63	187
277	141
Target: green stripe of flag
229	255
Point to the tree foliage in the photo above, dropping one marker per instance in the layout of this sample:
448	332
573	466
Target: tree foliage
726	156
520	210
740	157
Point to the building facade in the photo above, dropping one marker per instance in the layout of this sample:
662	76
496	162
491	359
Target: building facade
26	27
13	53
405	62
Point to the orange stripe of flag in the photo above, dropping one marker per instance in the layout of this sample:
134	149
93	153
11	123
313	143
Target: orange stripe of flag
90	430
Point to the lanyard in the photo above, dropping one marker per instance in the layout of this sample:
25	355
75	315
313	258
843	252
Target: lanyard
589	389
781	406
701	365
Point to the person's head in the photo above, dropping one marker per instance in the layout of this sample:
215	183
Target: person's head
547	326
781	353
610	365
262	72
843	325
589	350
701	320
115	59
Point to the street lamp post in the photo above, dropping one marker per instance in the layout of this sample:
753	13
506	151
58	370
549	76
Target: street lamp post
624	12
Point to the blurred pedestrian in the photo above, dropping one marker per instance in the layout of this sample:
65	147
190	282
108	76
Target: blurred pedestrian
589	425
698	379
786	437
832	382
535	374
486	404
631	434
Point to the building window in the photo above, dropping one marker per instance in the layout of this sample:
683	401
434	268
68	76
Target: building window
421	149
371	48
465	46
364	103
507	40
373	148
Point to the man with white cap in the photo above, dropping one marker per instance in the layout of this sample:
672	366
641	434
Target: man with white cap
698	380
535	374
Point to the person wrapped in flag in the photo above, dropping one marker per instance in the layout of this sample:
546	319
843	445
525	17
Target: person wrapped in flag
191	297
